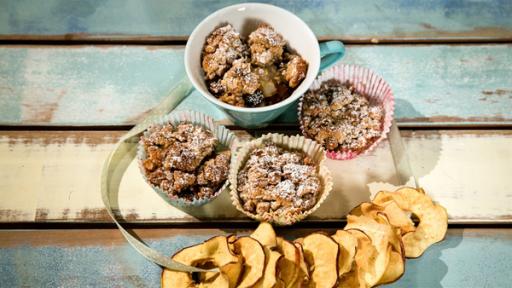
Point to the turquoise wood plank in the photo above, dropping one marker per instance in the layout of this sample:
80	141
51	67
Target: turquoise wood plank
97	85
466	258
350	20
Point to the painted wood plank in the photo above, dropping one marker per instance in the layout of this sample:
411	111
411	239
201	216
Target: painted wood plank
473	166
384	20
101	85
101	258
460	169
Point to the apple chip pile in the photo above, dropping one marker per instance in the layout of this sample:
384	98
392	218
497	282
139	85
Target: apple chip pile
369	251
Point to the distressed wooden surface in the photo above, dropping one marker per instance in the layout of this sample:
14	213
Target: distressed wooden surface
101	258
367	21
53	176
466	171
102	85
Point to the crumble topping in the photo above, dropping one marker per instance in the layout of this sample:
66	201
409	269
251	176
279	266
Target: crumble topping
256	73
182	160
266	45
341	119
275	182
221	49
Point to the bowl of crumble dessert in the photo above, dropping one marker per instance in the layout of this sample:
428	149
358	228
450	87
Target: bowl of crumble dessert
255	60
185	157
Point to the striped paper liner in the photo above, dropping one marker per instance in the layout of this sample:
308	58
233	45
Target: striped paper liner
227	140
367	83
311	148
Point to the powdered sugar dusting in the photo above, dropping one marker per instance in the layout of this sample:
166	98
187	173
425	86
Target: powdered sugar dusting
340	118
276	182
232	67
284	190
182	160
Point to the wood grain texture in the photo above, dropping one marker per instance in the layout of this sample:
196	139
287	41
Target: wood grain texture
460	169
101	258
363	21
117	85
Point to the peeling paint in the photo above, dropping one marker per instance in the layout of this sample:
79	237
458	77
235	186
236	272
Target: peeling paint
101	258
95	94
497	92
453	166
114	19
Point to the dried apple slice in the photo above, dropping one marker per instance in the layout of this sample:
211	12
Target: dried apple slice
395	268
231	272
348	245
394	233
352	279
288	265
212	253
303	276
217	280
364	262
373	211
396	216
265	234
321	255
386	240
396	264
215	250
380	238
388	214
208	277
231	238
433	219
254	260
270	275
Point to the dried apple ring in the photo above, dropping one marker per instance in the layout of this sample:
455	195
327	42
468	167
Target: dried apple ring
433	218
214	252
321	255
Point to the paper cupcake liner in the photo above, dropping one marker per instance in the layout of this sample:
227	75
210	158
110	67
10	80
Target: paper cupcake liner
311	148
367	83
226	138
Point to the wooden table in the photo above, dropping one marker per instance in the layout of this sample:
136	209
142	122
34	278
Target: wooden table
75	76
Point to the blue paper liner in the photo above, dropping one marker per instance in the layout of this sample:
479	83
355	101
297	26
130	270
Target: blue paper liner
227	140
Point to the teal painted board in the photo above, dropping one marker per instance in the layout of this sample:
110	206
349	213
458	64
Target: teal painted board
350	20
466	258
461	261
103	85
444	84
85	86
90	266
11	84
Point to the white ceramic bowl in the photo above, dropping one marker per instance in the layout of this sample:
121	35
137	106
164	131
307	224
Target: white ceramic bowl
245	18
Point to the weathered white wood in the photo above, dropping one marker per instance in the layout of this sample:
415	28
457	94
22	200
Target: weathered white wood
466	171
18	198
